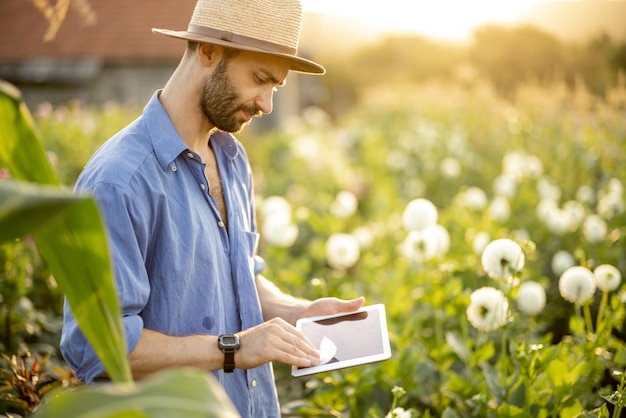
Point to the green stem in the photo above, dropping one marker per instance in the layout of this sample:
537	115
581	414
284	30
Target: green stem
603	302
7	327
465	329
504	355
578	313
588	320
439	338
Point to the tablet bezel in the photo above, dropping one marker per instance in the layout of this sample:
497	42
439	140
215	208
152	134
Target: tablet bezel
384	335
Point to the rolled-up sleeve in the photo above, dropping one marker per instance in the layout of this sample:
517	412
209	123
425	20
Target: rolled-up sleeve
127	245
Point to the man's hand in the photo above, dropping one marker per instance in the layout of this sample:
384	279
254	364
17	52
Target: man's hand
275	340
328	306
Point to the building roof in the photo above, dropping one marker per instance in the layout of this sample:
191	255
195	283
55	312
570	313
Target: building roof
121	31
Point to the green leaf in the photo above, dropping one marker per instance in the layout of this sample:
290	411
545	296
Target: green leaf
517	394
573	408
21	150
460	386
483	353
174	393
455	342
25	207
73	243
577	325
449	413
558	375
493	382
542	361
601	412
512	411
75	248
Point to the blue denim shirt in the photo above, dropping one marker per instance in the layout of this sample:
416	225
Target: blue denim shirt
177	270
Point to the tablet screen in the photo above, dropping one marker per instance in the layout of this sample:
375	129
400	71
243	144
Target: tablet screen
346	339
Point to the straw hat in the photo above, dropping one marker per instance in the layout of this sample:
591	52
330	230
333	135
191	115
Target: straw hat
267	26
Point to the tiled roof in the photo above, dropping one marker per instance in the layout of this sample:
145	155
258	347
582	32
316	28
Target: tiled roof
121	32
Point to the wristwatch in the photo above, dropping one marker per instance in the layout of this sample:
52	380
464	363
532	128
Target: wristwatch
229	344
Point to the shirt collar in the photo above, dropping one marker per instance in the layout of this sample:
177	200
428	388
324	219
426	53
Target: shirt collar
166	141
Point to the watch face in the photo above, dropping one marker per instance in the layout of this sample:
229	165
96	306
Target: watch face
229	340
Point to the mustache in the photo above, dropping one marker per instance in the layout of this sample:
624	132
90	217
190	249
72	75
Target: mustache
252	110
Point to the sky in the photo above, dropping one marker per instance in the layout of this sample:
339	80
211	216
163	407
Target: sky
448	19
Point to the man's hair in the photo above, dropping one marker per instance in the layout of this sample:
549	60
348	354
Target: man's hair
192	47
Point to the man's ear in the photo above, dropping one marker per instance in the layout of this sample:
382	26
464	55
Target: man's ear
208	54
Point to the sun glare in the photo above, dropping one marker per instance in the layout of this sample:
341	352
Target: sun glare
452	19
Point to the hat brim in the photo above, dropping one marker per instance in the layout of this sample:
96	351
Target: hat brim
298	64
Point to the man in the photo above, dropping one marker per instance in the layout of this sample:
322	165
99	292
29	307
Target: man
175	190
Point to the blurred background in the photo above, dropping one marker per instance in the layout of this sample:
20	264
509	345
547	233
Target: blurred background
103	51
509	116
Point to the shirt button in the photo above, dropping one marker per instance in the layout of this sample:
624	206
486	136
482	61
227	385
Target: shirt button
190	155
253	383
221	224
173	168
202	186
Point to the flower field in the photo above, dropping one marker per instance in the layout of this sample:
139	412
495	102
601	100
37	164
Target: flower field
492	230
461	213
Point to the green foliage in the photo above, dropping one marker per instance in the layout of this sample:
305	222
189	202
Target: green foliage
72	133
30	300
183	393
72	243
26	381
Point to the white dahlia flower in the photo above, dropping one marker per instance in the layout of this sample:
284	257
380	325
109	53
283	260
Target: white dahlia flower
480	242
488	309
531	298
594	229
475	198
577	284
420	246
344	205
278	230
419	214
274	204
502	258
608	277
342	251
561	261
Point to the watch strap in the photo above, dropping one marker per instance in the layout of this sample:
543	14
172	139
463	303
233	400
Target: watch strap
229	361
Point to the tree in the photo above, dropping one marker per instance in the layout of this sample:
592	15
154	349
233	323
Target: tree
509	56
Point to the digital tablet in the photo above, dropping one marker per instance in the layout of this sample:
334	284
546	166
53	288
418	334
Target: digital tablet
346	339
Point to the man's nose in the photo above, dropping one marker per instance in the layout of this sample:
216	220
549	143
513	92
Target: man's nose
264	100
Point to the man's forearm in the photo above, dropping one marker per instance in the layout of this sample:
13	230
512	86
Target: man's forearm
156	351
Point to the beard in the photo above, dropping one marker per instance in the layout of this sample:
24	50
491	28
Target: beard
219	101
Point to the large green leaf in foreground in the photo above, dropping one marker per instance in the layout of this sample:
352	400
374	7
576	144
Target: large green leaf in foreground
71	237
25	207
179	393
20	147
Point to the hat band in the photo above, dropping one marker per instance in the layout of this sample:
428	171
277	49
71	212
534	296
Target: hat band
241	39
